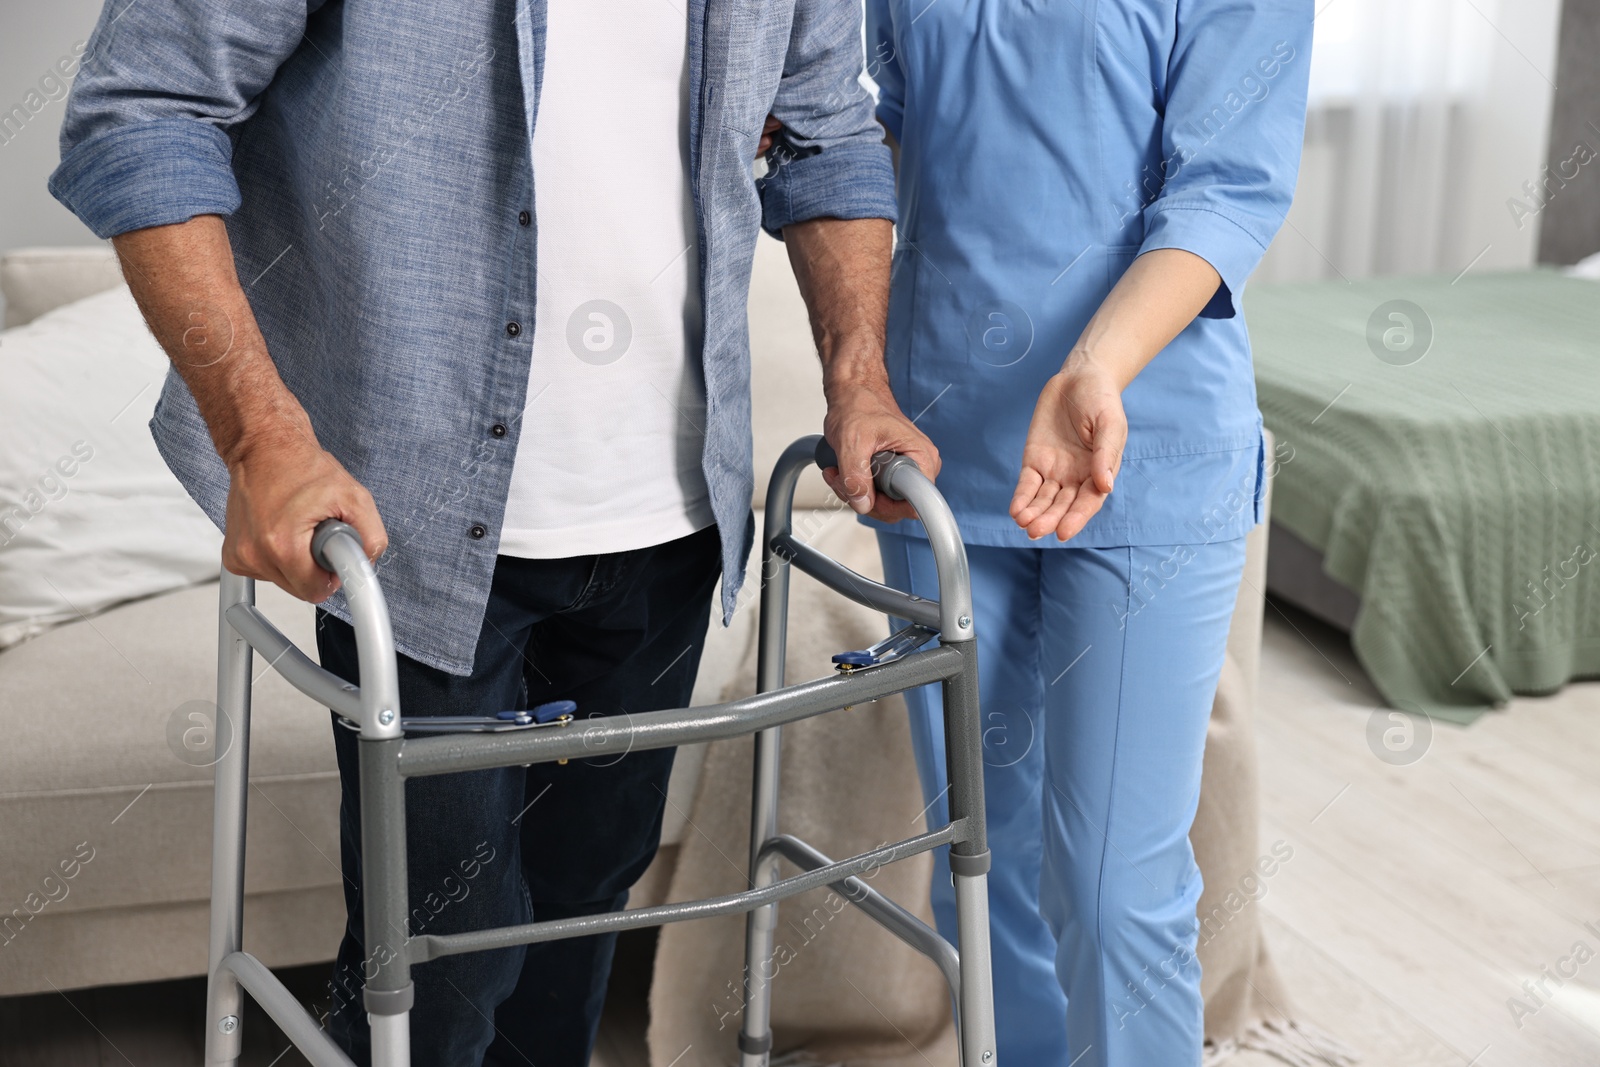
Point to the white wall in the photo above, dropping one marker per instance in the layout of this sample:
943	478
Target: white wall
1426	118
34	35
1509	147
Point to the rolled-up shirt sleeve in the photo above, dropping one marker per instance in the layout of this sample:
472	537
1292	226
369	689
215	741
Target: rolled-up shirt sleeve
830	160
145	141
1232	128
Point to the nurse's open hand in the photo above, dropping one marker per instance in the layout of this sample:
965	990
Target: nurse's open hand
1073	451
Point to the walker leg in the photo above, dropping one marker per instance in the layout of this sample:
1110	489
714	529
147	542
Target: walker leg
391	1039
388	992
969	860
755	1035
977	990
224	1002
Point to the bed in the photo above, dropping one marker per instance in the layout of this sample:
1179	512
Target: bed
1437	484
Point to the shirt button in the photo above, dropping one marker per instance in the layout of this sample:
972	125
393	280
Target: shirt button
513	329
478	532
524	218
498	429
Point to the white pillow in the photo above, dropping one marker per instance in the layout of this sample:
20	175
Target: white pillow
89	514
1588	267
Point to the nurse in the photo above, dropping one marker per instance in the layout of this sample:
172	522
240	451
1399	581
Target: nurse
1084	187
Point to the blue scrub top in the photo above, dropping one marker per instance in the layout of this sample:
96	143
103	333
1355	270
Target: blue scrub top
1043	146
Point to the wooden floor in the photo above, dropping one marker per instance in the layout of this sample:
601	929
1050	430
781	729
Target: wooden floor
1423	894
159	1024
1420	898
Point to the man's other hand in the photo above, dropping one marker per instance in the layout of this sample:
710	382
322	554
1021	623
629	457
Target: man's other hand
862	421
770	127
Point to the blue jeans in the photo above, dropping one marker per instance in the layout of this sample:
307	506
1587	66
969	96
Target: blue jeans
1098	670
618	633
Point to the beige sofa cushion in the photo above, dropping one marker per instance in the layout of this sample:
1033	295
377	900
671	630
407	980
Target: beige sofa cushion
93	715
114	946
37	280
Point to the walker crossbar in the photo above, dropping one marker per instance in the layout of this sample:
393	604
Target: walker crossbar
387	757
841	579
614	734
283	1009
891	916
296	667
432	946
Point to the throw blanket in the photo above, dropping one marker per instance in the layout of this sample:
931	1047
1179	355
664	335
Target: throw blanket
845	990
1439	442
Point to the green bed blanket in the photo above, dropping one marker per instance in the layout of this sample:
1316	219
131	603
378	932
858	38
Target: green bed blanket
1439	442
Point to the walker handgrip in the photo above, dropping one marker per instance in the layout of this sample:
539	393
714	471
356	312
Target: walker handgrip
882	466
325	531
336	547
897	477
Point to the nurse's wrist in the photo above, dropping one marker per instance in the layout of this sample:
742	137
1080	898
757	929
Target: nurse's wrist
1102	365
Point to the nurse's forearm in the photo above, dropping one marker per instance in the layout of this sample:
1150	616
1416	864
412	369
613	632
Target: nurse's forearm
1152	303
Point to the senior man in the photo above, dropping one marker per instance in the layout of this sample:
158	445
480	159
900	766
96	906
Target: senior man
484	274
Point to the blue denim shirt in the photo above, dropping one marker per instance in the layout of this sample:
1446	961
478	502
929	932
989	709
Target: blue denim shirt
373	159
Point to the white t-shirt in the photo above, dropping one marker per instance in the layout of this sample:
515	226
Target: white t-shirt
614	426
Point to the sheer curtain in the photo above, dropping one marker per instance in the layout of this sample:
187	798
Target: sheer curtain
1426	119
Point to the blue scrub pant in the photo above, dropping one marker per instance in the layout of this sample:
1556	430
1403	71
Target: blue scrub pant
1097	671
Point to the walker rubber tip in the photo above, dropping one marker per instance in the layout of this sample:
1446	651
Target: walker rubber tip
554	710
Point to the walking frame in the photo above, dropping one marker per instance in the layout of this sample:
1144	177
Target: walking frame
388	757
